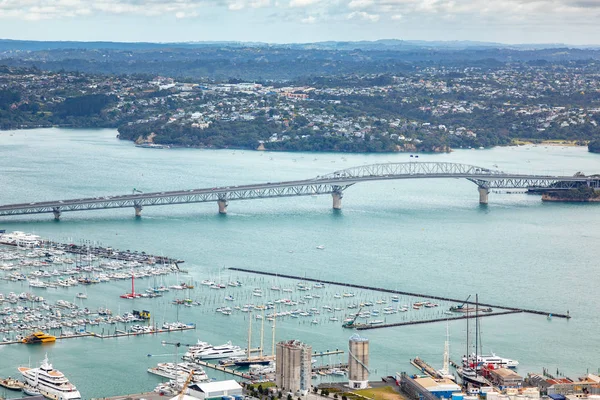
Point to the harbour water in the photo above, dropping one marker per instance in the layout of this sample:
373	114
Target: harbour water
428	236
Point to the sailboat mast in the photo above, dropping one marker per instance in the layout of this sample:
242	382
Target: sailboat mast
273	339
249	334
132	286
467	354
446	366
476	330
262	333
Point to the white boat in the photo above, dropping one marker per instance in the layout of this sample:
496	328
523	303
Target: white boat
181	370
222	351
81	295
321	247
491	360
37	283
45	379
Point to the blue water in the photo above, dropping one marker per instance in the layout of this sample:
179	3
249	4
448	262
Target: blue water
428	236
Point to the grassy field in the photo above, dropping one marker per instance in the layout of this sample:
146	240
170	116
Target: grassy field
382	393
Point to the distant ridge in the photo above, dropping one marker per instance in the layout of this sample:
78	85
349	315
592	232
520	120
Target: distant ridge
383	44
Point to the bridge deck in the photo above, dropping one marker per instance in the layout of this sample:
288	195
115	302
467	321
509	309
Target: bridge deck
333	183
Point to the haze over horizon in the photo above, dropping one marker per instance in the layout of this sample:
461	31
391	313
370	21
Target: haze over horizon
302	21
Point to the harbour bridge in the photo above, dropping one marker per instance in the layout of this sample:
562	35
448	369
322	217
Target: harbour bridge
334	184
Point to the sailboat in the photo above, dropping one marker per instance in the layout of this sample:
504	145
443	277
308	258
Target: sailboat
445	371
249	359
133	294
468	372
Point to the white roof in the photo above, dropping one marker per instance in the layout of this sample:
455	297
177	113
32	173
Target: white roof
219	386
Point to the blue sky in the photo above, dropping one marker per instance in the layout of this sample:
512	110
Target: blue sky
287	21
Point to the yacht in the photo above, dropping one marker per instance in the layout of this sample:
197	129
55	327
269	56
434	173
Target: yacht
222	351
47	380
183	370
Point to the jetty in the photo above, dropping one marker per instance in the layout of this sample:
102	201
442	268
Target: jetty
362	327
507	309
118	333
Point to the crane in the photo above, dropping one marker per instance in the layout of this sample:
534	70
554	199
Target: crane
350	324
460	307
185	385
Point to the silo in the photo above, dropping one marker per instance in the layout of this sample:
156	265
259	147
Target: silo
358	362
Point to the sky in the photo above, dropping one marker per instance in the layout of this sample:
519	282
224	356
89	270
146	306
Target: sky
301	21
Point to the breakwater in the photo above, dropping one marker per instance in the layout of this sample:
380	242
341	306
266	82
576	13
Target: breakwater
392	291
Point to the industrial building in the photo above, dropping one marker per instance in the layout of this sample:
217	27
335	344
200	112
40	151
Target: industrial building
505	377
358	362
440	388
215	390
293	366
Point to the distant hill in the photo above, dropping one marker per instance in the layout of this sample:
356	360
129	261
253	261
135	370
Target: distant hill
383	44
263	61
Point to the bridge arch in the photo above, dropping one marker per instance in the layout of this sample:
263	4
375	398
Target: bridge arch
433	169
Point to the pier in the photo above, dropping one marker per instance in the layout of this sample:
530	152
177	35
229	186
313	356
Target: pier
508	309
117	334
362	327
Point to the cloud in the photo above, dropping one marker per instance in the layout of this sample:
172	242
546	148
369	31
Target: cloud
360	3
396	17
302	3
308	20
363	16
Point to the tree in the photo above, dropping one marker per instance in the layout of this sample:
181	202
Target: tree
260	389
594	146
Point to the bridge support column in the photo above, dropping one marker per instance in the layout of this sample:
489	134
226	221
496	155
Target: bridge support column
56	211
483	195
222	206
337	200
138	210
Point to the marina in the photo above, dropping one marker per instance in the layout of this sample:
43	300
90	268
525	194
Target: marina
433	239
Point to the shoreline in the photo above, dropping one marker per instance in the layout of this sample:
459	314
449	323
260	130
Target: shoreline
514	143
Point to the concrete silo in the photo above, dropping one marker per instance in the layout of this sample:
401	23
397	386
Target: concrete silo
358	362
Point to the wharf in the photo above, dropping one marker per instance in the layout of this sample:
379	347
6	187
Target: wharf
391	291
135	396
223	368
425	368
332	366
117	334
105	252
428	321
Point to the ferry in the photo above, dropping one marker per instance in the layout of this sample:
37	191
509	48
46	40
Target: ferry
491	360
49	382
39	337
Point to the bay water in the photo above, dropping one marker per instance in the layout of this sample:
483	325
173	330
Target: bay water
426	236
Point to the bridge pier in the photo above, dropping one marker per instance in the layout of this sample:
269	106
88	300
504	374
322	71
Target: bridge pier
483	195
222	206
337	200
56	211
138	210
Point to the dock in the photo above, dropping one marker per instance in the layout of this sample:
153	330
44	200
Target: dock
223	368
428	321
117	334
401	292
425	368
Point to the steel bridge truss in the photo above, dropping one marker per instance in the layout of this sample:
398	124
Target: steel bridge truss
334	183
167	198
